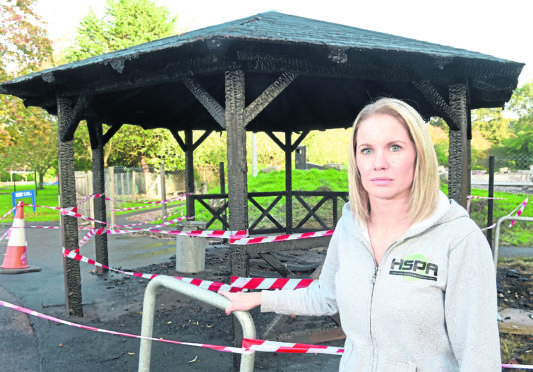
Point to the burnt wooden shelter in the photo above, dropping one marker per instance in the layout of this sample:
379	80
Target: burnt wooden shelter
270	72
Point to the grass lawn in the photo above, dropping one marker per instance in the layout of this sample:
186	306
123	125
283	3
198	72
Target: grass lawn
46	197
521	234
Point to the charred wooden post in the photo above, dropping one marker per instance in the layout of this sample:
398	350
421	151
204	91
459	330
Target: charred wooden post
67	194
237	179
188	146
189	172
237	166
458	179
99	204
288	182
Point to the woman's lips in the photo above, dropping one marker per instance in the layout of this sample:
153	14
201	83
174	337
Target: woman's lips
381	181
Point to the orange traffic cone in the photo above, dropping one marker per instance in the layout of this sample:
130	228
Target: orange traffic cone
16	258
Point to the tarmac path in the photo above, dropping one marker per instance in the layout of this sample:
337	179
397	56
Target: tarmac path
31	344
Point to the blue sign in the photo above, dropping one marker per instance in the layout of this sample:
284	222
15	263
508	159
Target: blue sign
23	194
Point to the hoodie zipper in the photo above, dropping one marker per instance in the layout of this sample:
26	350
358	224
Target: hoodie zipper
373	283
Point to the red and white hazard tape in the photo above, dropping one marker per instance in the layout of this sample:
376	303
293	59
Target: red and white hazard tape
178	198
248	345
520	210
235	237
95	196
200	233
517	366
7	213
89	197
77	325
483	197
74	213
206	284
269	283
79	257
469	197
287	347
237	284
131	208
279	238
8	231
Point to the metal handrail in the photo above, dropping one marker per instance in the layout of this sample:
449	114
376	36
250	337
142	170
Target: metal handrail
497	233
212	298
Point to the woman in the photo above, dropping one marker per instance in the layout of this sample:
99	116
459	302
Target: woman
409	272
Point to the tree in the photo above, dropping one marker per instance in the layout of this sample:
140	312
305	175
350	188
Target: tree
27	135
125	23
491	123
24	45
521	104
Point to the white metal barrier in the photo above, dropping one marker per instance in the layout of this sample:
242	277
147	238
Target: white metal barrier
497	233
212	298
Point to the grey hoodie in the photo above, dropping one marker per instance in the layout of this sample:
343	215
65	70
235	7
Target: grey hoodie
429	306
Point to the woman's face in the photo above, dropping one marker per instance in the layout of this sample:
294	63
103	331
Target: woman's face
385	157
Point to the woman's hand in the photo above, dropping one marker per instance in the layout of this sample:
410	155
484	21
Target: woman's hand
241	301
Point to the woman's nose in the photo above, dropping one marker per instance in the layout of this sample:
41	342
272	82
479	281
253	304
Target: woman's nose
380	160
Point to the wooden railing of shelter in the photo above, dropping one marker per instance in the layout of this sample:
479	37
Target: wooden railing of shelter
311	210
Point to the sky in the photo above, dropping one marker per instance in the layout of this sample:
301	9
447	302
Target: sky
495	27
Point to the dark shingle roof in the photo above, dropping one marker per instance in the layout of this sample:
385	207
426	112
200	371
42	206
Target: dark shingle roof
340	68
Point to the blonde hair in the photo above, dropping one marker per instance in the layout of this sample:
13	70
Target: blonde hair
426	183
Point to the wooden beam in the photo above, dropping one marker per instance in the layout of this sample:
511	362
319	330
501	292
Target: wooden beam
282	269
276	140
111	132
201	139
299	139
210	104
434	98
78	112
268	96
179	140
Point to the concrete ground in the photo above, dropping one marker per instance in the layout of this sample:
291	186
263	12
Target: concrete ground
112	302
28	343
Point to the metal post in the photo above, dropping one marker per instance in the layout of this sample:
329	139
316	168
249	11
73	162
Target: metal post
133	186
491	201
163	191
212	298
254	155
497	233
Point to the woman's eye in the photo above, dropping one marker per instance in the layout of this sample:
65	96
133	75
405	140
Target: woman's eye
366	151
395	147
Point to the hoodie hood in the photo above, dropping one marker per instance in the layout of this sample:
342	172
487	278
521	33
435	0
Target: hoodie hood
447	210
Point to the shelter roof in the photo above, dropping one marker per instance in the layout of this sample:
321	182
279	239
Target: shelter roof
339	69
